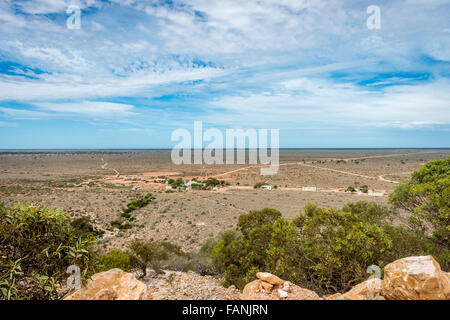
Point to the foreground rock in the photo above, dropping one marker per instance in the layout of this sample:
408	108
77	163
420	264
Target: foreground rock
367	290
415	278
270	287
176	285
114	284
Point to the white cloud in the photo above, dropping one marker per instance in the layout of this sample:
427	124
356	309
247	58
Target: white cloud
92	108
307	101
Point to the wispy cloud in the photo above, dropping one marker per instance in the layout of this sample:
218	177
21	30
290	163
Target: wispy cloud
270	63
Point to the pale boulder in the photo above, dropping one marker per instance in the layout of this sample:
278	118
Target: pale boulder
270	287
114	284
415	278
367	290
270	278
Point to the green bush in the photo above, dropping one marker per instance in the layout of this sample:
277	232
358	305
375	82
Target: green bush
427	197
37	245
147	254
364	189
337	246
325	250
258	185
115	259
84	225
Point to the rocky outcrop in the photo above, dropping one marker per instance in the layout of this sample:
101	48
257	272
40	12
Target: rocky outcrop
415	278
270	287
176	285
114	284
412	278
169	285
367	290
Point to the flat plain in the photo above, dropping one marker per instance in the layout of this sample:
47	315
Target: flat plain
97	184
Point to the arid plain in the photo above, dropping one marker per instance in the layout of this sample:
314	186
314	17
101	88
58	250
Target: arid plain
100	184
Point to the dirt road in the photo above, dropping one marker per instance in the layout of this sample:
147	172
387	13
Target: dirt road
105	165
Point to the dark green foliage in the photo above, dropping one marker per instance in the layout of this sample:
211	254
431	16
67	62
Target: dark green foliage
258	185
176	183
427	196
115	259
139	203
147	254
84	225
124	222
364	189
351	189
337	246
37	245
257	218
326	250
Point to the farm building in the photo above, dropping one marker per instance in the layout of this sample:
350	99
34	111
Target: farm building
310	189
375	194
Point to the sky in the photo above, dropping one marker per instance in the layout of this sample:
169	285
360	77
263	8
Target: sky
137	70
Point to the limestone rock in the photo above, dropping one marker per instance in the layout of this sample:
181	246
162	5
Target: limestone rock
270	287
114	284
270	278
415	278
282	294
367	290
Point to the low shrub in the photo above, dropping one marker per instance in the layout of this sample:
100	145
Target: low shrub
325	250
37	245
115	259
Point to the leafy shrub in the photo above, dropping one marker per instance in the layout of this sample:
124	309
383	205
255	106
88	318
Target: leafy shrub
125	219
364	189
337	246
326	250
147	254
84	225
37	245
139	203
115	259
258	185
426	195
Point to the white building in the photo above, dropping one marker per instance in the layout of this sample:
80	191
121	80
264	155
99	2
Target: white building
168	187
310	189
375	194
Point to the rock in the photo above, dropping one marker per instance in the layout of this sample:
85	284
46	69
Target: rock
367	290
298	293
415	278
335	296
264	290
286	286
270	278
253	291
282	294
267	286
114	284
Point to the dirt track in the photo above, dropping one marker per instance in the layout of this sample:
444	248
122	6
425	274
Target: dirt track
105	165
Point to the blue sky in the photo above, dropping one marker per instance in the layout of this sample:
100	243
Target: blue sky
137	70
